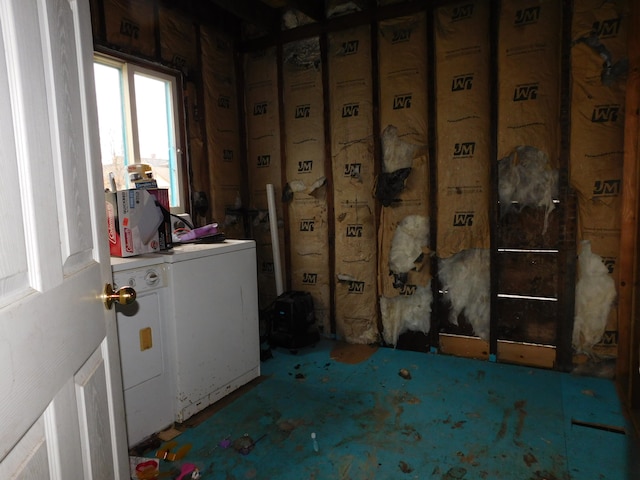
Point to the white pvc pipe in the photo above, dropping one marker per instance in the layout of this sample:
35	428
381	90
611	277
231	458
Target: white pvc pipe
275	240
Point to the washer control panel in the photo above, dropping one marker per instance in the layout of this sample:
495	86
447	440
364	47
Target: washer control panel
142	279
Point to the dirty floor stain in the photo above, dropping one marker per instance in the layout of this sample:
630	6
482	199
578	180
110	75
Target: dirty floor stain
449	419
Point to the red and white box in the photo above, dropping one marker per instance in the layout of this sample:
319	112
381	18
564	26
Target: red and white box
133	219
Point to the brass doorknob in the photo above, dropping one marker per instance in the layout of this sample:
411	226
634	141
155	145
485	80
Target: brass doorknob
123	295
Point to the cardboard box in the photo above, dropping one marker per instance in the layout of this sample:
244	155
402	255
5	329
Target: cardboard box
133	219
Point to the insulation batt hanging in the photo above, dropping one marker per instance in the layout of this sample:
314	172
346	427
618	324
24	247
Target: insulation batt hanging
595	294
406	313
526	179
465	280
397	158
410	239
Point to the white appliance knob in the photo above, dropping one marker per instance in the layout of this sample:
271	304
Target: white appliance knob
152	278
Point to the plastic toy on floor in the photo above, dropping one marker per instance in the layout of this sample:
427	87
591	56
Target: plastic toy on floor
188	471
165	452
147	470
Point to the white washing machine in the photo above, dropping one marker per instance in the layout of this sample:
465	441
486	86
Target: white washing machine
213	335
141	332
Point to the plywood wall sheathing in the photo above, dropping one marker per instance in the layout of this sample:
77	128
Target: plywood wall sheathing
353	163
306	176
542	356
462	346
463	127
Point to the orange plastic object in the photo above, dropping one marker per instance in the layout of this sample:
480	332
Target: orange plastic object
165	452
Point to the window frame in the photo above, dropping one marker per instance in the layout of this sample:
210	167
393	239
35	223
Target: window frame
130	66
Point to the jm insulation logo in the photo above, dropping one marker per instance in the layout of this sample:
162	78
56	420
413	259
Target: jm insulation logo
401	35
402	101
305	166
309	278
307	225
463	219
356	287
350	47
610	337
464	150
350	110
260	109
264	161
129	28
267	267
524	92
227	155
462	12
462	82
527	16
352	169
354	230
224	101
408	290
303	111
606	28
607	188
605	113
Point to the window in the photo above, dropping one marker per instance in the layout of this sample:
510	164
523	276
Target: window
137	119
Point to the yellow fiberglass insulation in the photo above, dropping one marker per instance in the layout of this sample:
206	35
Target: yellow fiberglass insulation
465	280
595	294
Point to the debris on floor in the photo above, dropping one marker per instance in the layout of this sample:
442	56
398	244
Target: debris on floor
166	451
352	353
371	422
245	443
169	434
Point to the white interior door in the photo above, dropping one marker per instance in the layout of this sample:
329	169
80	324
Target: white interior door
61	404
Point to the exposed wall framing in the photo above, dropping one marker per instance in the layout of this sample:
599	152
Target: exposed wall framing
524	47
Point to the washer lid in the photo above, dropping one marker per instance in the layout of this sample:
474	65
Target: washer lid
189	251
119	264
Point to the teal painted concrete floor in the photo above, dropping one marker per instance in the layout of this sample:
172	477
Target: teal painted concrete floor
454	418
